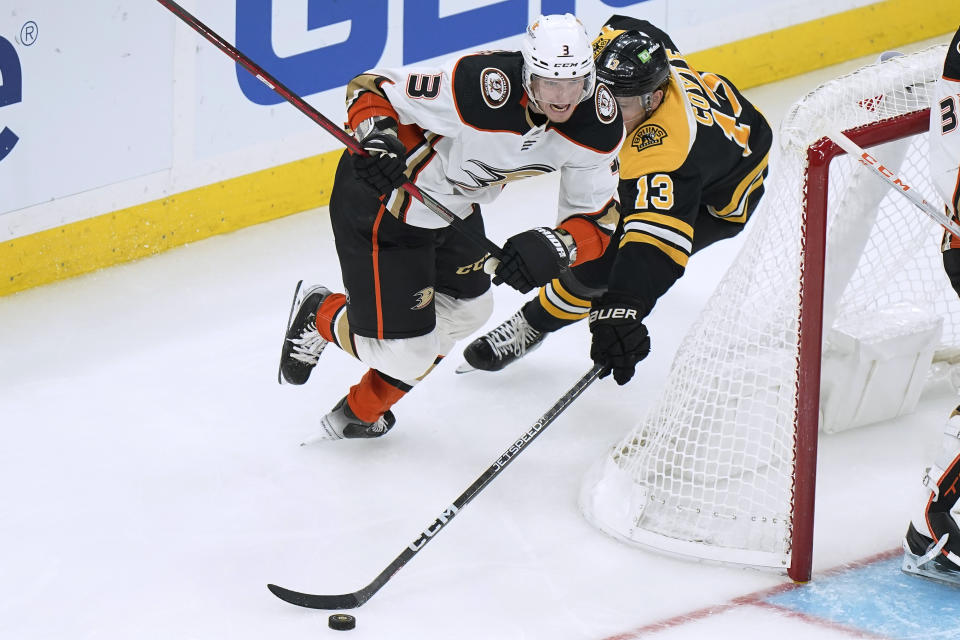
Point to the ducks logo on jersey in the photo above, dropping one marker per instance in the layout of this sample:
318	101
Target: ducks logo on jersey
496	87
606	104
424	298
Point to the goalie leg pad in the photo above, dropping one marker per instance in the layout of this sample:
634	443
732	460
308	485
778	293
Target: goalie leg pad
932	543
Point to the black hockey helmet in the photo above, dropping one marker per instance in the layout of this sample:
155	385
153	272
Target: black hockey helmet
633	64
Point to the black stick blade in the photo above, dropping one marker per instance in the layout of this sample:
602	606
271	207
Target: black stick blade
343	601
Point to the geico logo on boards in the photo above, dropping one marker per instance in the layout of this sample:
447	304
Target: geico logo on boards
425	34
11	91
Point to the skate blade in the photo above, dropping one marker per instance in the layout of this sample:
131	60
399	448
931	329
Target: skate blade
293	305
930	571
328	435
465	367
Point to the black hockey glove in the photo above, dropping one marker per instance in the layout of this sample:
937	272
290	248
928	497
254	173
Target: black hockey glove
534	258
382	170
620	340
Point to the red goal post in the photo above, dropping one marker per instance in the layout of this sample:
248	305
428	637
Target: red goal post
837	268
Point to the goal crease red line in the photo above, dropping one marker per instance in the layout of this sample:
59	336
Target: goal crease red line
757	599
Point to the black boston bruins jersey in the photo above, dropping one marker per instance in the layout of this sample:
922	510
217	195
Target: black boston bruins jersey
703	152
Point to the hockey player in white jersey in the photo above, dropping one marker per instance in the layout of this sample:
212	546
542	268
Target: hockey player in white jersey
932	542
459	131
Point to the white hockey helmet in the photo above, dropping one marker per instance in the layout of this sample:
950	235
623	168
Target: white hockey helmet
556	49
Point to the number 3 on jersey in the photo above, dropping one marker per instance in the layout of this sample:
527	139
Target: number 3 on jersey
659	193
948	115
423	86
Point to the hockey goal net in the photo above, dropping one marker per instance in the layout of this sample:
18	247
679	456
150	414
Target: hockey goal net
722	465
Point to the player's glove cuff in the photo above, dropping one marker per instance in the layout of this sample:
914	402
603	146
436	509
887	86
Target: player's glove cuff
534	257
382	169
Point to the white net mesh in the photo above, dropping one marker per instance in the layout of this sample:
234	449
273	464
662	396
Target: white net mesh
709	470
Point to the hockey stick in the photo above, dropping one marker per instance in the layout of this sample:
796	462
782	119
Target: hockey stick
357	598
891	177
346	139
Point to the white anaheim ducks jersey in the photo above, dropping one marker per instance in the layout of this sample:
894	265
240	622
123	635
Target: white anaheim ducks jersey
945	129
468	131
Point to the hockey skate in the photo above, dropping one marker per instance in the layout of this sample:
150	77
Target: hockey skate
302	344
921	557
342	423
501	346
931	548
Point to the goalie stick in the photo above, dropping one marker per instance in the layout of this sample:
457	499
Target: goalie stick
357	598
891	177
345	138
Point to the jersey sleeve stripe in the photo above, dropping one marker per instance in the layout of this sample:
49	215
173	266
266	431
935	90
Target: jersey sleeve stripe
417	160
675	254
672	237
735	210
365	99
662	220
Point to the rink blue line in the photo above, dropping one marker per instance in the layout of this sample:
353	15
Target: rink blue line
878	599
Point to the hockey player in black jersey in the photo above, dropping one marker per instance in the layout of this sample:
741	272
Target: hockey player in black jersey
691	173
460	132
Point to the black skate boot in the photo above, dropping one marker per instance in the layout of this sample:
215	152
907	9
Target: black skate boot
302	344
921	557
501	346
931	548
341	422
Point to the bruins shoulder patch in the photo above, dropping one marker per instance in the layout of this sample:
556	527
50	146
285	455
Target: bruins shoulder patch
495	87
648	135
606	104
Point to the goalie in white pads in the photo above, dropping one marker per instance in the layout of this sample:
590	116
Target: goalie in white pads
460	131
691	173
932	543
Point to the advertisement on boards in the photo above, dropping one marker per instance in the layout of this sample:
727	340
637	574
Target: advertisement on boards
104	93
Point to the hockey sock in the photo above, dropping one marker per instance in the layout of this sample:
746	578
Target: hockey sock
555	307
374	394
332	322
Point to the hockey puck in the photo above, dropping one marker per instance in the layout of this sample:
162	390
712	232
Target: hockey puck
342	621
